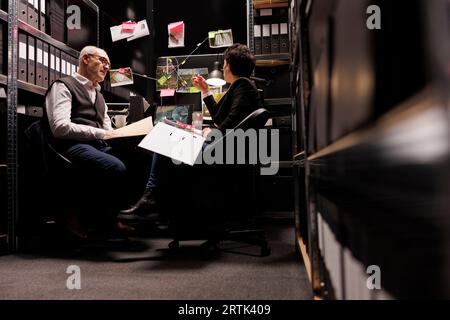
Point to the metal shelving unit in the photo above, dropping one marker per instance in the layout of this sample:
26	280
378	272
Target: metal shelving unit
12	161
23	26
38	34
280	107
13	89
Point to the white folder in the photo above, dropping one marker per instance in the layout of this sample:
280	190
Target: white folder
173	142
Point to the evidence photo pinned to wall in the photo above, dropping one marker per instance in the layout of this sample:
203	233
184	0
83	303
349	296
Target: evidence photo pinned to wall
130	30
128	27
176	34
121	77
140	30
166	75
220	38
185	79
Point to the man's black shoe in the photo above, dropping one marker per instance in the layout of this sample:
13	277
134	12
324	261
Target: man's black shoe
145	205
144	209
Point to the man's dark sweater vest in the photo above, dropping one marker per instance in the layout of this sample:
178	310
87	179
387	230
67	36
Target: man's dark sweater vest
83	110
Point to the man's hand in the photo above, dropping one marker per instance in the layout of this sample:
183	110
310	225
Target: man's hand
110	134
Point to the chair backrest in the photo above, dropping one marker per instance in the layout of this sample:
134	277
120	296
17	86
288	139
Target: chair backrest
37	144
255	120
49	177
36	136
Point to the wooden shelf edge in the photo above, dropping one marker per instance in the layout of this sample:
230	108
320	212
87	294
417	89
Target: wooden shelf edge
271	63
270	5
4	16
31	87
305	257
3	79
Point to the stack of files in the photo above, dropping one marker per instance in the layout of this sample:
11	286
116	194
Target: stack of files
23	54
41	63
266	45
45	65
33	13
23	10
57	23
31	60
258	39
274	38
52	64
271	34
284	38
42	15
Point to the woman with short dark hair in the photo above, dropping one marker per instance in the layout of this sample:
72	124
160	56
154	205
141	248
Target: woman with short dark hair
241	99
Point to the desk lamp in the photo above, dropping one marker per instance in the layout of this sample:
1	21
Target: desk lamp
215	78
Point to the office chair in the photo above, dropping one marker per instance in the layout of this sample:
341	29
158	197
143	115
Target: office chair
55	174
215	227
62	190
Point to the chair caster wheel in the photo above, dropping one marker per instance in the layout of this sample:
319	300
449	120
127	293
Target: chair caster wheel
209	248
265	251
174	245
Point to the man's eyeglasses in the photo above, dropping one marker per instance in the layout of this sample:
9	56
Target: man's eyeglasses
103	60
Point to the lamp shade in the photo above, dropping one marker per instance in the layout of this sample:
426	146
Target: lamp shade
215	78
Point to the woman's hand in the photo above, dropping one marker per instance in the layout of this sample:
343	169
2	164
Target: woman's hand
200	83
206	132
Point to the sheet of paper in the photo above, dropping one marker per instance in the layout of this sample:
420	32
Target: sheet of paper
117	34
139	128
167	93
141	30
174	143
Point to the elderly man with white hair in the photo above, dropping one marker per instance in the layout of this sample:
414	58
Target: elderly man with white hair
78	127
